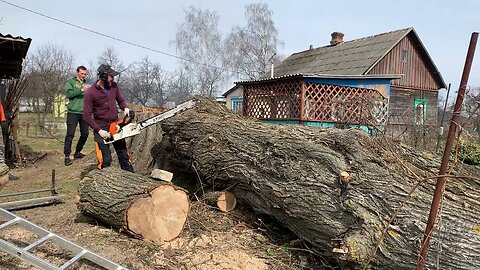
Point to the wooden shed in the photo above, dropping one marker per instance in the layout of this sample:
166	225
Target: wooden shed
12	52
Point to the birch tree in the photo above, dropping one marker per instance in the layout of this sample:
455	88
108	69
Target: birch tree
252	48
199	41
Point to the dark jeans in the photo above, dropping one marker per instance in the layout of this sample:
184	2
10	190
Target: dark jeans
104	155
72	120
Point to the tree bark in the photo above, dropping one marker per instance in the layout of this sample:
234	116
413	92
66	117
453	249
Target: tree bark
140	206
294	173
140	145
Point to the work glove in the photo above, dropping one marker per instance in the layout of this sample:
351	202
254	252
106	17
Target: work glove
105	134
126	111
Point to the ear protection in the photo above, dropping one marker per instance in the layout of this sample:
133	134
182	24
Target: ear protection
103	76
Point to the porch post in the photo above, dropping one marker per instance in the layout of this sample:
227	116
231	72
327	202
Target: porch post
302	105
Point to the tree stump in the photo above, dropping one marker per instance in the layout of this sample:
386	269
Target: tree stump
137	205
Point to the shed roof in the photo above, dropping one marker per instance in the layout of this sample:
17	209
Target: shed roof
319	76
12	52
354	57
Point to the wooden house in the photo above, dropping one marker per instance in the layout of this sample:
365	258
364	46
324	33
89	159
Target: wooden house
398	56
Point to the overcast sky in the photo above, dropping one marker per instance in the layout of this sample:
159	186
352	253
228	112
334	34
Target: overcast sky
444	26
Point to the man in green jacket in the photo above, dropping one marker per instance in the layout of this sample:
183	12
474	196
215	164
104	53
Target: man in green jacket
74	89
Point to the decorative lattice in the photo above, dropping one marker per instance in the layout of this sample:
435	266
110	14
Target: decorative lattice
343	104
321	102
273	100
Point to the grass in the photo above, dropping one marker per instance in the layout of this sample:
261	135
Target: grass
48	141
32	118
50	144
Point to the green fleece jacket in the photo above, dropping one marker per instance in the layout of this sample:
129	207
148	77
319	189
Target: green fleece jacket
73	91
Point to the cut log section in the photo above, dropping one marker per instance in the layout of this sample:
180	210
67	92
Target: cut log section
294	173
138	205
3	181
3	175
224	201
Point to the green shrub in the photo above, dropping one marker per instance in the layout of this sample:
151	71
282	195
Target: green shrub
469	152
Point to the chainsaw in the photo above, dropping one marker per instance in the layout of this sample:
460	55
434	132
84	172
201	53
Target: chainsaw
126	127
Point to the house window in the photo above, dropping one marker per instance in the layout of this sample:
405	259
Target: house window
236	105
404	56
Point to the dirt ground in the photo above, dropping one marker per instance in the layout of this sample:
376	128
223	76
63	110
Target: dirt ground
210	240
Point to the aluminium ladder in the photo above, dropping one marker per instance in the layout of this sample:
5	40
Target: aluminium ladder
44	236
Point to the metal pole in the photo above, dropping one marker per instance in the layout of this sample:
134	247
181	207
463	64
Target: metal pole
54	188
443	117
441	181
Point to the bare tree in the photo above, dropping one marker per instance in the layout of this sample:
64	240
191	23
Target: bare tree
47	70
253	48
92	69
110	56
199	40
145	83
471	109
180	87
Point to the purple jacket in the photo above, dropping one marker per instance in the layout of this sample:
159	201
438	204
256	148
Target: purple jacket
99	108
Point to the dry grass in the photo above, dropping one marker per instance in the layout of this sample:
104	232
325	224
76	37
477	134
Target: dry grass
210	240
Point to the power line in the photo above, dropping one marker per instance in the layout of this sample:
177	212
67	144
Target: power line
110	37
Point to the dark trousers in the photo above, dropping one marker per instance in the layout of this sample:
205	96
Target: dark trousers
72	120
104	155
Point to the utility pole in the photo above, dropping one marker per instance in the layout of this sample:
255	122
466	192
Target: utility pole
440	133
442	179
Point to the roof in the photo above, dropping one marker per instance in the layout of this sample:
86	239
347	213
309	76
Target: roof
319	76
12	52
354	57
235	87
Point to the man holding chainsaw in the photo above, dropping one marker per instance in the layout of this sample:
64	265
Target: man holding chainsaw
100	113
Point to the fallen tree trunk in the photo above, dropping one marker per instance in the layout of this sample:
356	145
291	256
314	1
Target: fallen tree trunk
140	206
298	175
139	146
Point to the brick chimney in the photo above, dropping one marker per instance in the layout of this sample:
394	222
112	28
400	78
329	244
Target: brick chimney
337	38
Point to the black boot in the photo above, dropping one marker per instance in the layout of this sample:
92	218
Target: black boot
68	161
12	177
78	155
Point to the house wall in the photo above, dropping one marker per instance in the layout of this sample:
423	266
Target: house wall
404	121
418	83
234	94
405	58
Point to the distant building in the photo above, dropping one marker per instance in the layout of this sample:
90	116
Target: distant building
234	99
